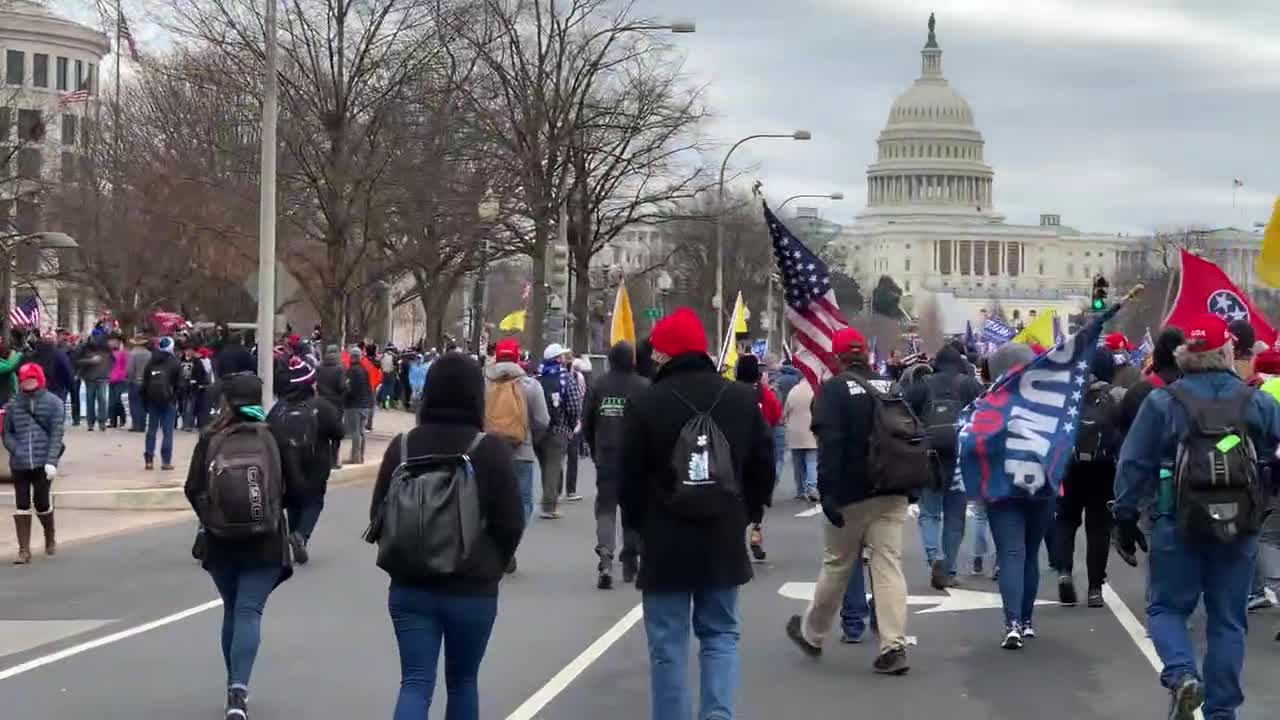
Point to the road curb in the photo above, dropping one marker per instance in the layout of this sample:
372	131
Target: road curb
169	498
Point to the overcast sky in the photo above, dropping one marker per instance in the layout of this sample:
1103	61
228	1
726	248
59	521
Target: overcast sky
1120	115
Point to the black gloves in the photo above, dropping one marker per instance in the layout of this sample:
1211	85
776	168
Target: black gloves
833	513
1127	537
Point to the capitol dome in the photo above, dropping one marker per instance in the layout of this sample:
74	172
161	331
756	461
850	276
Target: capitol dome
930	157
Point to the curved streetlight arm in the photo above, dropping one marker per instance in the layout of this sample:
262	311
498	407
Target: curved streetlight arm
825	196
724	165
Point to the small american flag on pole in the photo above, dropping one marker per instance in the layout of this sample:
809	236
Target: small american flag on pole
71	98
126	35
26	314
811	306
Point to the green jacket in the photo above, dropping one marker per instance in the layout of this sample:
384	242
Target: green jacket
9	375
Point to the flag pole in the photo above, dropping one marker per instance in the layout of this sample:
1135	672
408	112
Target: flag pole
115	105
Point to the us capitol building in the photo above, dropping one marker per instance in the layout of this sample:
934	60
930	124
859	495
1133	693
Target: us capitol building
930	221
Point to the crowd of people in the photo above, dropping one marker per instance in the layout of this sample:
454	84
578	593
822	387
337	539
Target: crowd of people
686	465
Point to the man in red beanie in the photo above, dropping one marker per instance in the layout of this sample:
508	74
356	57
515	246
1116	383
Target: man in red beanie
33	424
1193	554
1126	375
697	461
858	514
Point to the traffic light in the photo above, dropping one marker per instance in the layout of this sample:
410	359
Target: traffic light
1100	287
558	268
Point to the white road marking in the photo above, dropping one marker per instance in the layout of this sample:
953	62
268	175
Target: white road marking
956	599
74	650
1137	631
815	510
561	680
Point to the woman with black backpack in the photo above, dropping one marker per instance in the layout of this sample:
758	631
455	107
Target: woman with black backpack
239	489
451	593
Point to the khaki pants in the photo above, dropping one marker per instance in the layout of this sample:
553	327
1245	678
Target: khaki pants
876	522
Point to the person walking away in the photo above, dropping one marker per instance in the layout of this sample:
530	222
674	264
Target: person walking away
357	404
1088	484
943	394
10	359
781	379
234	358
387	390
403	366
1194	449
444	587
797	419
117	383
564	404
374	373
139	358
747	371
603	416
331	385
697	462
515	411
872	454
1119	348
95	370
160	394
239	488
191	384
309	426
416	382
1164	371
1243	338
581	369
68	347
58	372
33	427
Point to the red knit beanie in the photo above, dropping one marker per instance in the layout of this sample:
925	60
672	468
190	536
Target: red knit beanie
679	333
32	371
1267	362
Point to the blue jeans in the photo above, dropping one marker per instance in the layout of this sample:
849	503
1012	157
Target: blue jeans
942	512
137	410
1019	526
779	451
854	610
1181	572
715	623
804	463
524	476
981	530
303	518
423	620
244	591
163	419
97	410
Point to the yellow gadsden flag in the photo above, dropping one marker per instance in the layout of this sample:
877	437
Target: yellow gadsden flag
737	326
513	322
1039	332
624	323
1268	264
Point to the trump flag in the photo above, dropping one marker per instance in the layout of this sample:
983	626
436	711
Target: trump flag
1204	288
1016	438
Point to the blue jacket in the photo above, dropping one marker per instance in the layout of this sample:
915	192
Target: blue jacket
1152	442
33	424
784	381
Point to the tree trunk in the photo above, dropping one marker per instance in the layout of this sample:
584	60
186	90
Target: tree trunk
534	340
581	304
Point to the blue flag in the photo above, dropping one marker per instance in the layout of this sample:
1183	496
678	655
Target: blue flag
1016	439
1139	356
996	332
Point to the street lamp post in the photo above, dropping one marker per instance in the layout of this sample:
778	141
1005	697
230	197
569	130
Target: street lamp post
837	195
719	298
487	211
267	212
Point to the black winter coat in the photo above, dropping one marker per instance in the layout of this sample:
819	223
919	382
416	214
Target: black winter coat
604	411
680	555
167	363
312	468
359	395
500	503
331	383
234	359
271	550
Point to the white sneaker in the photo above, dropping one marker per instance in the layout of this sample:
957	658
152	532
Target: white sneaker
1012	637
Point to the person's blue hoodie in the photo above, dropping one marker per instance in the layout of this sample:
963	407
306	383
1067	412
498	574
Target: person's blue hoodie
417	376
784	380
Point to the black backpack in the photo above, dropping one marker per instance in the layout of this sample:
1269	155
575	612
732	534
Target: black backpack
430	520
1218	495
703	465
1097	438
246	483
941	417
898	449
299	424
157	389
551	390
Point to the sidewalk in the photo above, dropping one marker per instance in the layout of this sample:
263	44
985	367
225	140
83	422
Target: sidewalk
102	489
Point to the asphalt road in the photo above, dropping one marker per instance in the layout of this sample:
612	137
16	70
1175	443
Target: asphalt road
94	635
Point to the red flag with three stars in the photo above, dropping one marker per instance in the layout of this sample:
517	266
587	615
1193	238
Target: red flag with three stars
1204	288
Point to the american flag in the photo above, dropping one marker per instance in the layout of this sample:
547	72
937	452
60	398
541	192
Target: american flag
71	98
124	34
811	305
26	314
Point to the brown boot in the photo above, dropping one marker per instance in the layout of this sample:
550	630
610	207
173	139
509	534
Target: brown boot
50	541
22	523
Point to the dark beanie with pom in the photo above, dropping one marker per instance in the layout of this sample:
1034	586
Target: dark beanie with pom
454	392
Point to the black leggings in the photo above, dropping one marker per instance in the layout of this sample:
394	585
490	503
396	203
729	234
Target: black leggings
1086	493
25	482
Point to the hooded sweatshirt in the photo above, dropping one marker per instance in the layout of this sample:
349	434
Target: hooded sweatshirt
539	417
606	405
331	378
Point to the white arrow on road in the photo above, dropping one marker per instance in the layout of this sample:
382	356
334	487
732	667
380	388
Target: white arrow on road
913	511
955	600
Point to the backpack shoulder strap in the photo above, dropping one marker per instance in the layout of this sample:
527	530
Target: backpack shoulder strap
475	443
696	411
404	447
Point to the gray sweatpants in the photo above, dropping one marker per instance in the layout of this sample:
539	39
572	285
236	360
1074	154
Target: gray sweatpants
354	420
607	481
551	452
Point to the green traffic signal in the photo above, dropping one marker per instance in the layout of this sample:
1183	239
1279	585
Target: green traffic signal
1099	304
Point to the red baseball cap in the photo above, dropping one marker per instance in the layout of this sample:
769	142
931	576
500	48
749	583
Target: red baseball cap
507	350
847	340
1207	332
1117	341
